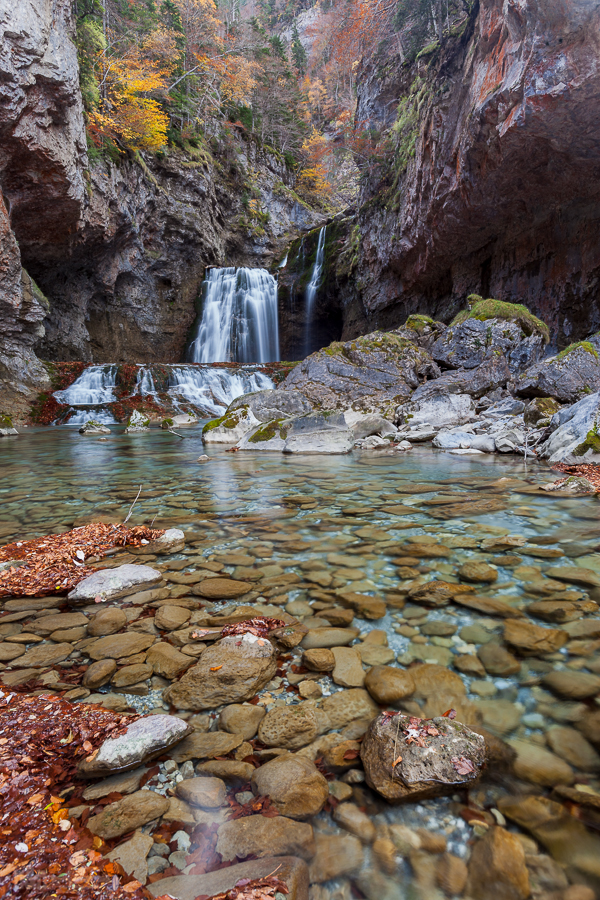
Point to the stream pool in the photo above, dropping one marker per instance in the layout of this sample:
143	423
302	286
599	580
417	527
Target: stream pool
345	524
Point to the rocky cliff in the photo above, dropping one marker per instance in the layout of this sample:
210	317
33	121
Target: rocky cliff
119	249
490	184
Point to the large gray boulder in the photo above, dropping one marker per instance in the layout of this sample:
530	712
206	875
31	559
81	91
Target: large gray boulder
273	404
576	438
437	411
494	372
567	377
315	433
363	426
373	373
491	326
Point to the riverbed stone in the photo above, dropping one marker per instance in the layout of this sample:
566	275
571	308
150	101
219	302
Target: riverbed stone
469	665
388	684
170	617
143	740
497	867
121	783
421	772
206	745
497	660
129	675
119	646
364	606
351	818
530	638
260	836
9	651
167	661
291	727
478	572
242	718
320	638
538	765
319	659
207	792
348	671
132	855
43	655
99	673
112	584
46	625
127	814
290	869
571	685
294	784
570	745
107	621
222	589
172	541
344	707
232	670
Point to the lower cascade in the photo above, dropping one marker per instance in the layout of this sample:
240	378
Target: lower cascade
239	318
203	390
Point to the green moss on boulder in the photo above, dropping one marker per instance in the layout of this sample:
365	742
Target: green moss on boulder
584	345
497	309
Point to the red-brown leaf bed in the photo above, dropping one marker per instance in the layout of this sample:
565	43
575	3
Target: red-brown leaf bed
51	562
43	854
589	471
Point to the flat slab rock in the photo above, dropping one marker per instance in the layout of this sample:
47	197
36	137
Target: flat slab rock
111	584
143	740
433	756
290	869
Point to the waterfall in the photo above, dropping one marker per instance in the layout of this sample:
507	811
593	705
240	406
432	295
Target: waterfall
239	318
312	287
94	387
210	390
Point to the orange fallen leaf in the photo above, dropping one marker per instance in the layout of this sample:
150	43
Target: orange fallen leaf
87	747
396	761
131	887
215	668
35	798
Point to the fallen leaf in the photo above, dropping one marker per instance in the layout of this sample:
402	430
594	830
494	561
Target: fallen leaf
450	714
396	761
215	668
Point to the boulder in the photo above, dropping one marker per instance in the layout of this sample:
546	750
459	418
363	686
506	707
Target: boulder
261	836
272	404
363	426
497	867
143	740
138	422
538	409
318	433
575	434
493	373
291	727
290	869
462	440
294	784
410	759
567	377
127	814
371	374
230	671
93	427
489	327
435	411
230	428
112	584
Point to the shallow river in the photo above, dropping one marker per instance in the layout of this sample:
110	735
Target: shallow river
338	523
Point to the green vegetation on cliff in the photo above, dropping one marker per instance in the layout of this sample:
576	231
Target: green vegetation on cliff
497	309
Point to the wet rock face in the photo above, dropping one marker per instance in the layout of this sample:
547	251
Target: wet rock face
475	212
432	756
567	377
468	344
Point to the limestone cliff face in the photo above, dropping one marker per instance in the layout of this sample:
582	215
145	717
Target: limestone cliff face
119	250
494	187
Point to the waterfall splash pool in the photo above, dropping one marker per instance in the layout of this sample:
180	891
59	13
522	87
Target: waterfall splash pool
304	531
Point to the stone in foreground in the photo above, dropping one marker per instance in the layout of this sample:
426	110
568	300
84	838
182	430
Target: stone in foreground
143	740
112	584
294	784
260	836
290	869
432	756
128	814
231	671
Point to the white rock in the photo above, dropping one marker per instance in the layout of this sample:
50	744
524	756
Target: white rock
111	584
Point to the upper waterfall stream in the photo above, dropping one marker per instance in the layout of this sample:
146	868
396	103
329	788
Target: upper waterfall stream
239	320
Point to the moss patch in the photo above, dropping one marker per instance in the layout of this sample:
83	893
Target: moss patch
229	420
6	421
497	309
419	323
591	442
584	345
268	432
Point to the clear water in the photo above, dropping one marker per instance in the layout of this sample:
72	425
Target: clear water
239	320
295	512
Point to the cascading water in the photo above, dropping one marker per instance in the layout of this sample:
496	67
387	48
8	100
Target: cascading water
239	318
211	390
92	391
312	287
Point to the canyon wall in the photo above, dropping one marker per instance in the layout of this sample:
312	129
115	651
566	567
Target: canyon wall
492	178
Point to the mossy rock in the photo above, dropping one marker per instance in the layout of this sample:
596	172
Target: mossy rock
419	323
591	442
6	421
583	345
166	424
269	431
229	420
497	309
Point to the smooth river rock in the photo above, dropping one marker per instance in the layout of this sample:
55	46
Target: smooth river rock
144	739
128	814
112	584
289	869
260	836
294	784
